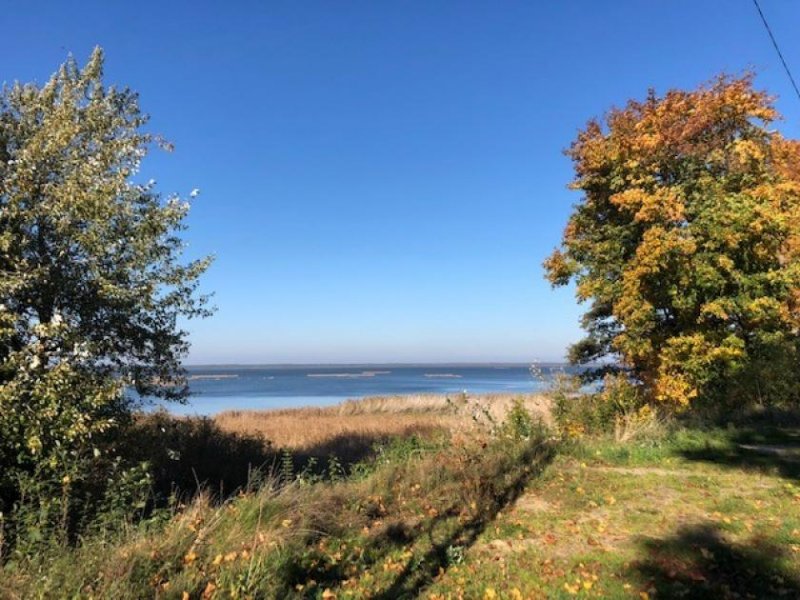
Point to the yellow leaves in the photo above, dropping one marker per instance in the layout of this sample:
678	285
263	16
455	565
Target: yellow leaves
489	594
228	557
558	268
34	444
664	205
580	584
209	590
747	151
575	429
328	594
765	309
675	389
573	588
716	308
670	236
190	557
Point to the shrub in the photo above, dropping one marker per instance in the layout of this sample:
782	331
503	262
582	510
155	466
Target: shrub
620	408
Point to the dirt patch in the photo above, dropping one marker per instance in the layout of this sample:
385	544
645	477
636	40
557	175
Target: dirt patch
533	504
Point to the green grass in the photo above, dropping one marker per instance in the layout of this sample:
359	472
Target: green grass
693	514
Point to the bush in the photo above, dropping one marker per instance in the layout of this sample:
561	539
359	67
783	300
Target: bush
619	408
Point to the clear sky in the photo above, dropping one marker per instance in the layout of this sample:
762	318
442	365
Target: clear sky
380	181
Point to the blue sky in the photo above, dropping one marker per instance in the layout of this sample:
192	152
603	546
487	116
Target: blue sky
382	180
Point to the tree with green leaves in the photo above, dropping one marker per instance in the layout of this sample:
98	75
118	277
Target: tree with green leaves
92	280
686	244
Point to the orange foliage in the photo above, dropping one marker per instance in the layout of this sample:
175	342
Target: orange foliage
687	243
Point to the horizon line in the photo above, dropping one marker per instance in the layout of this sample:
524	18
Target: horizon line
384	364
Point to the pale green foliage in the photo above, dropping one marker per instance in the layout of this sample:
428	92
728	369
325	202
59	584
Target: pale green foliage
91	277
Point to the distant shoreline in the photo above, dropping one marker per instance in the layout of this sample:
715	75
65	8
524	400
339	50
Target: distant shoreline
374	366
214	376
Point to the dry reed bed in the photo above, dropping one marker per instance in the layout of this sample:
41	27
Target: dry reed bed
374	417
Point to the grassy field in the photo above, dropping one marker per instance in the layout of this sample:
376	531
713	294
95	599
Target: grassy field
477	506
712	514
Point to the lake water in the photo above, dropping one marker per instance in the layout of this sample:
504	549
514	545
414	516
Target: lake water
218	388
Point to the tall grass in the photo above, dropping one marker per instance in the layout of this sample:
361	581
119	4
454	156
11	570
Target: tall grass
307	428
385	530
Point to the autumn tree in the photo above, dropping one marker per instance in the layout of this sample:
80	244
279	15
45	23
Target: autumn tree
686	245
91	278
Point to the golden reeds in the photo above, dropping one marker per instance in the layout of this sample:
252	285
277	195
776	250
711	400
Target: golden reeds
375	417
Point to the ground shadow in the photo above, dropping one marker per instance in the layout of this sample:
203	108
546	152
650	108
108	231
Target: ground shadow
186	455
354	447
698	563
502	489
445	536
765	448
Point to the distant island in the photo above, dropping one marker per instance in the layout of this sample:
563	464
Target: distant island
350	375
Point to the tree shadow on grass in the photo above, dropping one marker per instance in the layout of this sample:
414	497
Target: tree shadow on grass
187	455
436	542
698	563
503	489
768	449
355	447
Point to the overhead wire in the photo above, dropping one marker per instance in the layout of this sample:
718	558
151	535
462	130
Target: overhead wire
777	48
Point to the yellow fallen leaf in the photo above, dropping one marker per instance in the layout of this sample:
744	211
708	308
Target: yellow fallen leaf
489	594
571	589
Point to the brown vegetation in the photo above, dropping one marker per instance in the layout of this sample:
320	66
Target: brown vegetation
376	418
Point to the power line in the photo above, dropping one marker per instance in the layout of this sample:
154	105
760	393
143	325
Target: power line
777	48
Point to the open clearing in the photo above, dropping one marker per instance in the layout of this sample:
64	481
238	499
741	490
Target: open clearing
715	518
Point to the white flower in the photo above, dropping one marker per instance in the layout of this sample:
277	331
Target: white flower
194	193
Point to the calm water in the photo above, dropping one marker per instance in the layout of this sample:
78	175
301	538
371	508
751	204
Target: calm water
217	388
